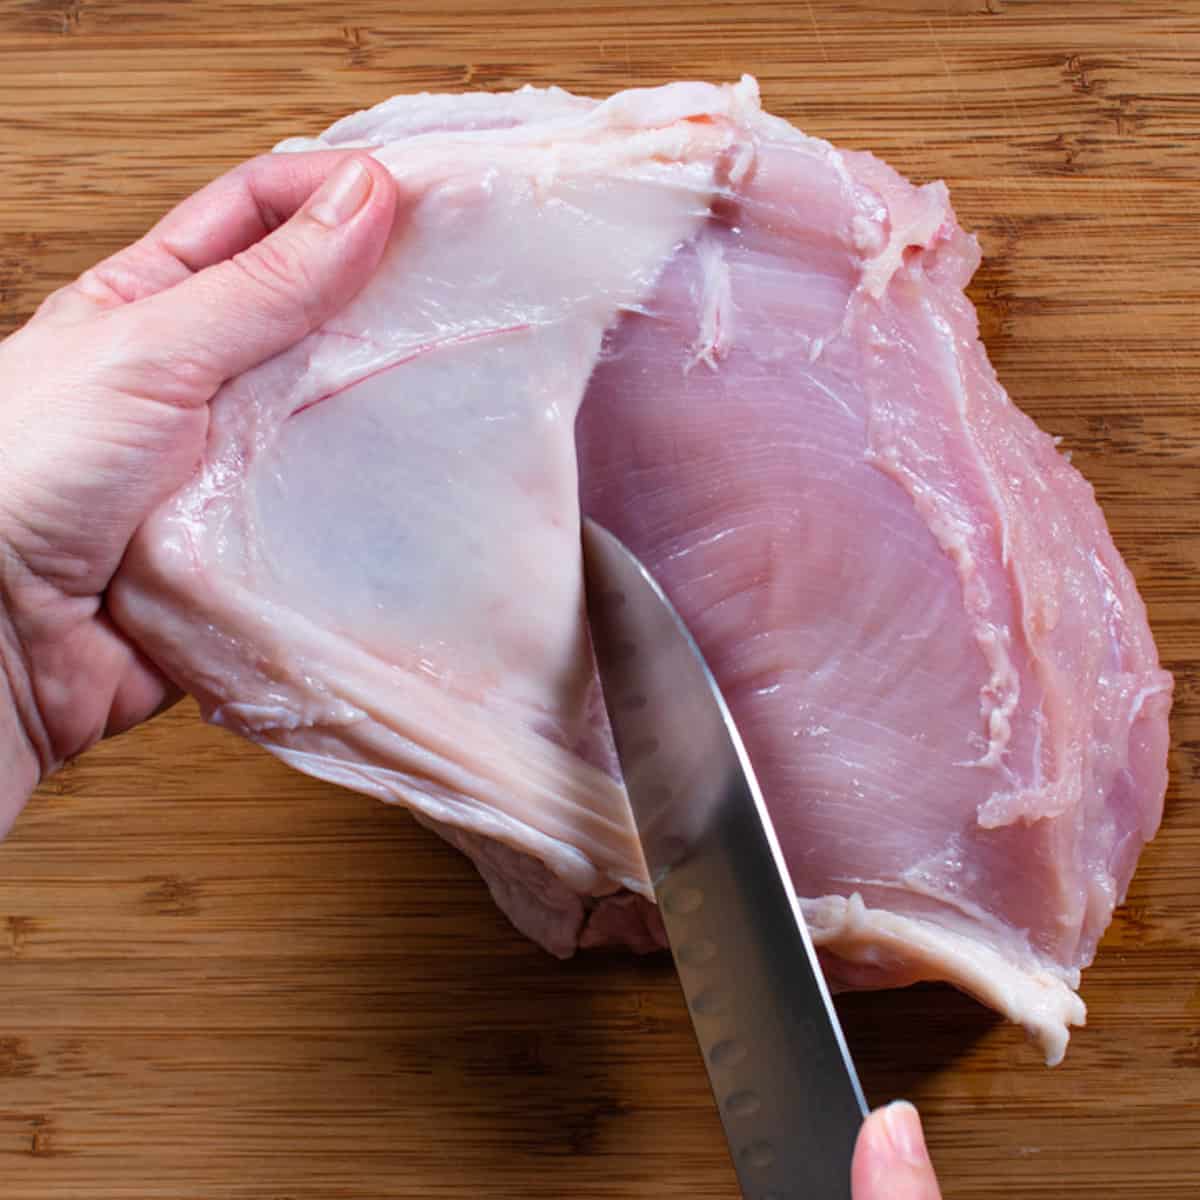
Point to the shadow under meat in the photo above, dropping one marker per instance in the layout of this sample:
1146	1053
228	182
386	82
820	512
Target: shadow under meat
899	1038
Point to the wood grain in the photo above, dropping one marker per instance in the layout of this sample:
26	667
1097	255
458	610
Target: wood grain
219	979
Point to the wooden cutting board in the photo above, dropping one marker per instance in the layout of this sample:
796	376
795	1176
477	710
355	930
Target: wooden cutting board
219	979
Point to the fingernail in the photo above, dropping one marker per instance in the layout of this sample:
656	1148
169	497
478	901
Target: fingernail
903	1128
341	195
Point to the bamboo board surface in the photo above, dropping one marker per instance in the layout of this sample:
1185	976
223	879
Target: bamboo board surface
219	979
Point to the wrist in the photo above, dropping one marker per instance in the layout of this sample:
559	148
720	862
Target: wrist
20	763
20	770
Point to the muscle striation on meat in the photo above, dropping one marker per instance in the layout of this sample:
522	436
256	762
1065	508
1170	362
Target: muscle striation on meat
751	355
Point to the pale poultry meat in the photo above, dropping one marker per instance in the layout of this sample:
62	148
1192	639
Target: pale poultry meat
941	666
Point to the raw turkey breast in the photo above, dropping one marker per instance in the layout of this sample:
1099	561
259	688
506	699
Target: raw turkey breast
940	664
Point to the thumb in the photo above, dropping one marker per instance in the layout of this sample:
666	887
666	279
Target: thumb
235	314
890	1159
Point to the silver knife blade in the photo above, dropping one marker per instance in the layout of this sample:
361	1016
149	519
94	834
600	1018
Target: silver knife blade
781	1073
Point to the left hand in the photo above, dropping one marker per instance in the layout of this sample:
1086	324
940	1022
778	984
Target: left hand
103	414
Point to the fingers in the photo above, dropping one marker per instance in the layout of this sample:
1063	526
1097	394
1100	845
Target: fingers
241	311
242	207
217	222
890	1160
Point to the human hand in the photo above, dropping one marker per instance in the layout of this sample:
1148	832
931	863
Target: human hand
103	414
890	1158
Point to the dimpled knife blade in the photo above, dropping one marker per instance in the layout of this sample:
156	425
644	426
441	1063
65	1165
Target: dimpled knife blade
781	1073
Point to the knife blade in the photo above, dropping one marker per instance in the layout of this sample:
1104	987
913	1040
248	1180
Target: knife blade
781	1073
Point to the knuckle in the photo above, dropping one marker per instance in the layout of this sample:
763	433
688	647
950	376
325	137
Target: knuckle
276	270
123	278
187	375
269	265
103	285
248	179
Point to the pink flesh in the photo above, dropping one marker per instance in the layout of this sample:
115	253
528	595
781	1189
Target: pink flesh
940	664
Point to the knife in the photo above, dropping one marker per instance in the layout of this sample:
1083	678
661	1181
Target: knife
781	1073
